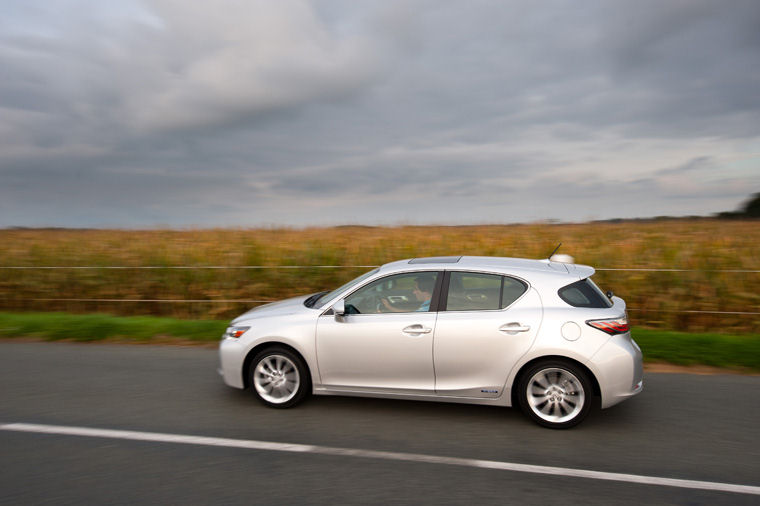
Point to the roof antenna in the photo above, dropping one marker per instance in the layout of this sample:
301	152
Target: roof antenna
561	258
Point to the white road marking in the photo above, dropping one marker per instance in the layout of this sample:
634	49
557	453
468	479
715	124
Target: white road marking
374	454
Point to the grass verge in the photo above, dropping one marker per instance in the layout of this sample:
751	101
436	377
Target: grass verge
682	348
686	348
104	327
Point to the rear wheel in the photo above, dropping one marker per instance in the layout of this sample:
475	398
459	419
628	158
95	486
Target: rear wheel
279	378
555	393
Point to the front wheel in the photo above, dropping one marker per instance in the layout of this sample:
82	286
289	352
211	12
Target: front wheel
555	393
279	378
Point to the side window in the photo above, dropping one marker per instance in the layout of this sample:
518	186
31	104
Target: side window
400	293
511	291
584	293
473	291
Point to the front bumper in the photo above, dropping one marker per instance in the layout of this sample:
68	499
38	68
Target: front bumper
231	358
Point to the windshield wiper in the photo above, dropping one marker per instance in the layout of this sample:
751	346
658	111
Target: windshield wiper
313	299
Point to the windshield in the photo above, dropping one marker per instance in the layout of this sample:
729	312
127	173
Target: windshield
326	297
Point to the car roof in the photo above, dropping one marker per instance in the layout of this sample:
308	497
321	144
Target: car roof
522	267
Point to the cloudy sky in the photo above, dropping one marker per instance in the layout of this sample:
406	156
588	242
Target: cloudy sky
143	113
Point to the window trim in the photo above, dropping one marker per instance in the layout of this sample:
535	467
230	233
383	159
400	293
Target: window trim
435	299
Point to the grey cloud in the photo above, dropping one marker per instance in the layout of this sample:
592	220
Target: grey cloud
695	164
266	112
194	66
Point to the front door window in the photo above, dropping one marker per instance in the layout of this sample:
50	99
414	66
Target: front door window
400	293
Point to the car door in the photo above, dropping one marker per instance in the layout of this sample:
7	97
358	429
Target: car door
377	346
486	323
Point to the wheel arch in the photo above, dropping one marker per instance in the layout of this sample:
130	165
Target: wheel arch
526	366
271	344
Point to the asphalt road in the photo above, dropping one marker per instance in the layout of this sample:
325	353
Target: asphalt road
682	426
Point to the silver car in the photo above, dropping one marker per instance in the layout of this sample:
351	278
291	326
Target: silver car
479	330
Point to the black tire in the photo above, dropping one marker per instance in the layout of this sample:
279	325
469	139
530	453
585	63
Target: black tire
279	378
555	393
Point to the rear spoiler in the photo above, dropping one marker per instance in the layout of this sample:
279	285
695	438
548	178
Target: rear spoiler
582	271
579	270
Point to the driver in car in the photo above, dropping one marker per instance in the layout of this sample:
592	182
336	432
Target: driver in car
423	292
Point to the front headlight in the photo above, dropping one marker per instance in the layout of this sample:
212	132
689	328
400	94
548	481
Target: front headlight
234	332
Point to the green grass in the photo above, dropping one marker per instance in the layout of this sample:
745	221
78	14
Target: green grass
718	350
102	327
684	348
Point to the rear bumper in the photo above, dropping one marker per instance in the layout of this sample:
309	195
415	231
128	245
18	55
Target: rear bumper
620	369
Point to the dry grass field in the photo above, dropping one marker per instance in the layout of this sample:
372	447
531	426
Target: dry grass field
703	248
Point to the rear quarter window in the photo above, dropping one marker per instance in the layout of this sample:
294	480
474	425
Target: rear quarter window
584	293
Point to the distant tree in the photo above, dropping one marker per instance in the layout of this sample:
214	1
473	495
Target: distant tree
752	206
750	209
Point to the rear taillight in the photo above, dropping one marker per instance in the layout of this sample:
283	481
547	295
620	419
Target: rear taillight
611	326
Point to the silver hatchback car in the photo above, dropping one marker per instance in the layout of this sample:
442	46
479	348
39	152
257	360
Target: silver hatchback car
478	330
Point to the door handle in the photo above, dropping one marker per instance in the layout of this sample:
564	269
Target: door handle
513	328
417	329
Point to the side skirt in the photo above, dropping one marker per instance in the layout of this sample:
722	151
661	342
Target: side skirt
503	400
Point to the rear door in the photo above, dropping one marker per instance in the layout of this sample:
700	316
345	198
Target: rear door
486	323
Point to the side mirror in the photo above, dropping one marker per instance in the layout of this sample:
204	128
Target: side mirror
339	308
609	294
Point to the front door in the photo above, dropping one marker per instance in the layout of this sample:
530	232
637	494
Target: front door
385	341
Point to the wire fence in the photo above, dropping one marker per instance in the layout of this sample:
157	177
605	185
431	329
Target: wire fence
263	267
244	301
233	304
137	267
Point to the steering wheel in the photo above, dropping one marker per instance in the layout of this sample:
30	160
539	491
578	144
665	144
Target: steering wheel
379	306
